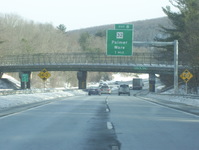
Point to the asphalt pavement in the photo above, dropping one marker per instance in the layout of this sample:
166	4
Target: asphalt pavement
78	122
144	125
106	122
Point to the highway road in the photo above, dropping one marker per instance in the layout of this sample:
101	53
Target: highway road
106	122
142	125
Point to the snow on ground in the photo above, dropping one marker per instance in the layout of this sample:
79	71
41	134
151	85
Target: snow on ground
176	98
21	99
12	79
119	77
35	95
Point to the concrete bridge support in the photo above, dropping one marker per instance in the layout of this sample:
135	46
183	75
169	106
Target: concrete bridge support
25	79
82	76
1	74
151	82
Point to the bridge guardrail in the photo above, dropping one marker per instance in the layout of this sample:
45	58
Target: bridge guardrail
86	58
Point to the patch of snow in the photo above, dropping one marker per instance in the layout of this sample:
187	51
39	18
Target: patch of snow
175	98
120	77
11	79
21	99
37	95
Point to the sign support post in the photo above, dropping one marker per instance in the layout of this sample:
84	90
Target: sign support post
186	76
44	84
186	88
44	75
176	66
175	44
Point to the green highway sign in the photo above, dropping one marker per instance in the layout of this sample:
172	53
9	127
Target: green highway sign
24	78
124	26
119	42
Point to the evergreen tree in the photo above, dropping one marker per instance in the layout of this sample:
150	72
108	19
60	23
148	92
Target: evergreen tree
185	29
62	28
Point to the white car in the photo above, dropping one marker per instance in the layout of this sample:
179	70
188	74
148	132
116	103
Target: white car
124	89
105	89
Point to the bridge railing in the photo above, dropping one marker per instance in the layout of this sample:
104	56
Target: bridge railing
86	58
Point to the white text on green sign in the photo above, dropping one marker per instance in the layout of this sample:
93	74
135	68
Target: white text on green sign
124	26
119	42
24	77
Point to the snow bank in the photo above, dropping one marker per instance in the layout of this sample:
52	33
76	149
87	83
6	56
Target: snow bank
193	101
21	99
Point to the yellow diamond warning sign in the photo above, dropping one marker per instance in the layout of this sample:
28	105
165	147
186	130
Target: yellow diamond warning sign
44	74
186	75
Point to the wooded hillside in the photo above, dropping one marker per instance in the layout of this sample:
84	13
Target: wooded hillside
19	36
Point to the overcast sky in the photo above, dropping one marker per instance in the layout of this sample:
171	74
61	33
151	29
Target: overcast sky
76	14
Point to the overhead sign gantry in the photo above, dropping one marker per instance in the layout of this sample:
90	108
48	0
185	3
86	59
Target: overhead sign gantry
120	42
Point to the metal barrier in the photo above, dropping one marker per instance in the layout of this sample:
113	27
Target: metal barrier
86	58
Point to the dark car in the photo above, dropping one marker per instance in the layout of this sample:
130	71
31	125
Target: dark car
94	91
124	89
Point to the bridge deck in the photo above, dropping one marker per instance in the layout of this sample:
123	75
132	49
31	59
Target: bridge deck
139	62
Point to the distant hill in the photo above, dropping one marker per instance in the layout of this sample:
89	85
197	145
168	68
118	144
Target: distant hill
93	39
144	30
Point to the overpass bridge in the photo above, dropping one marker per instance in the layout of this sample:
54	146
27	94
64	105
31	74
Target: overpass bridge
151	63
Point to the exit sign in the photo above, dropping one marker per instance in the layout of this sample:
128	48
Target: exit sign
119	42
124	26
24	77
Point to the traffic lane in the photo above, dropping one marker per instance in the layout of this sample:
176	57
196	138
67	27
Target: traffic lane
44	127
69	124
17	109
143	125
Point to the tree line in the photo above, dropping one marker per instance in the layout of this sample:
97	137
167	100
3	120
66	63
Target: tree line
19	36
185	29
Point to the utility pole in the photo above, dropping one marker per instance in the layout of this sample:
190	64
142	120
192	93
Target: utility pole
175	66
